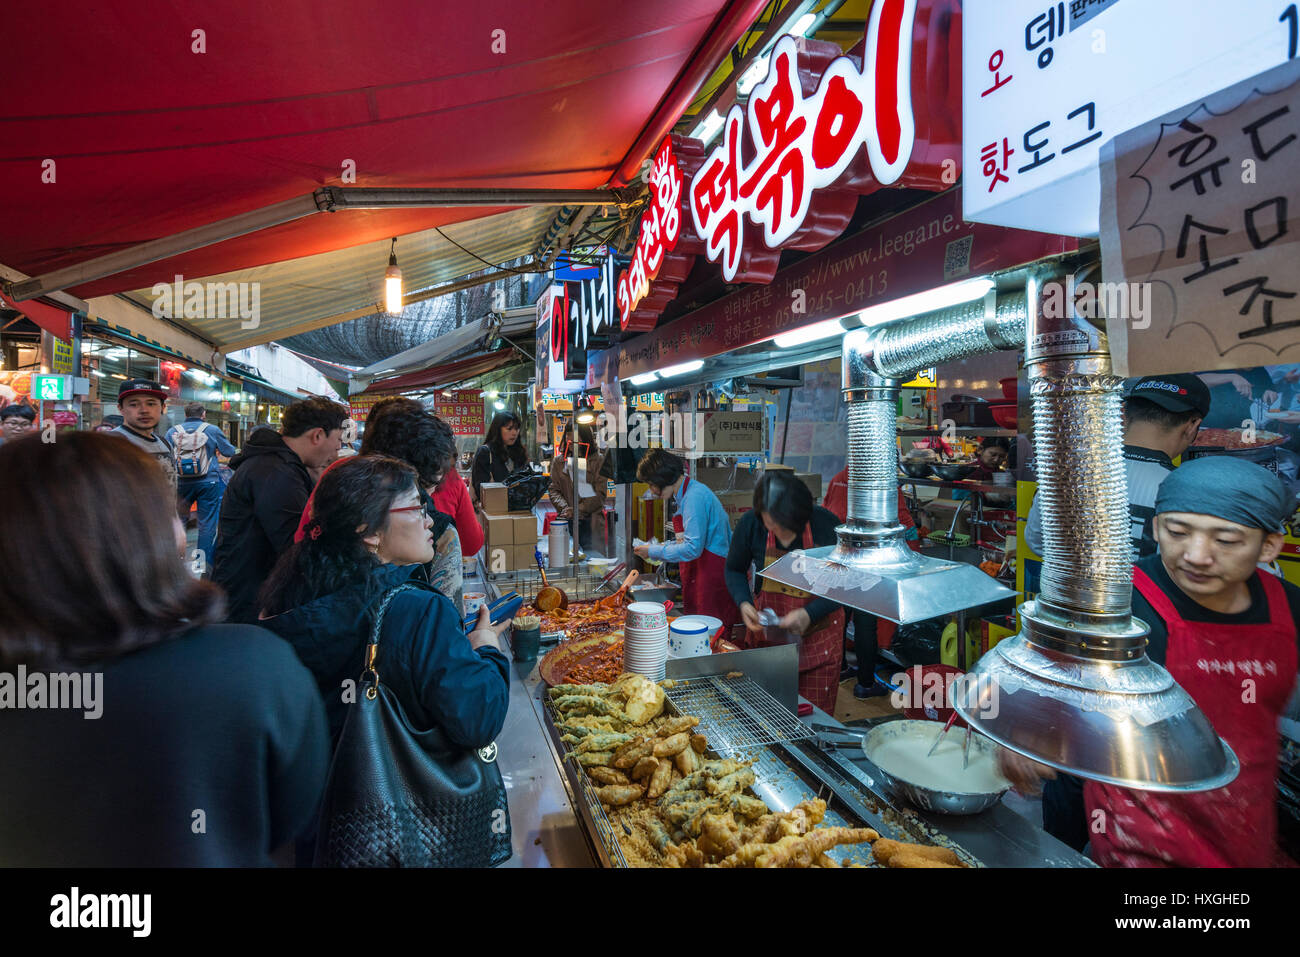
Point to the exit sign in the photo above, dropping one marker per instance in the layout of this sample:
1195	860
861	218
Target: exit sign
51	388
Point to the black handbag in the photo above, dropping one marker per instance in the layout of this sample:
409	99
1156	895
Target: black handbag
524	489
401	797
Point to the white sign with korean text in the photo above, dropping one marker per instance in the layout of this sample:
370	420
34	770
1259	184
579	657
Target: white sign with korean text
1045	85
1198	206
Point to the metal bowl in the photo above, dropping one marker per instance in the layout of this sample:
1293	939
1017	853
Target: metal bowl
953	471
940	802
916	469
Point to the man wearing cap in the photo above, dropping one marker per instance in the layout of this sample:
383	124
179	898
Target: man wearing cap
141	403
1227	633
1162	415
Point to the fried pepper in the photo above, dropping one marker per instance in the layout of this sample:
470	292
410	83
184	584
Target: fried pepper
746	806
735	781
586	702
674	744
616	795
605	775
659	838
603	741
596	689
660	779
591	759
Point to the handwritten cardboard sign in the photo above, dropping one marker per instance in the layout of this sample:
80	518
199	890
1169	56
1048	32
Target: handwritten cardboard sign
1201	204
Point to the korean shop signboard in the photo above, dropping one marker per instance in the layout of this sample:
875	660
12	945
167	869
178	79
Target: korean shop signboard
463	411
1045	85
1199	221
823	128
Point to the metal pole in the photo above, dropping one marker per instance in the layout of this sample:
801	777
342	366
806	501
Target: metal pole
577	493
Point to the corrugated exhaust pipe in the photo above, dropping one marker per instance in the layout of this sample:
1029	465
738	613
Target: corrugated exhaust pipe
871	567
1075	689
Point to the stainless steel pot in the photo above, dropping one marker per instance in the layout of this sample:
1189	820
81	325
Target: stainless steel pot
940	802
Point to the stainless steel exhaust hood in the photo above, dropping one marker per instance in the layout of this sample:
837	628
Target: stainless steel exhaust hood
1075	689
871	567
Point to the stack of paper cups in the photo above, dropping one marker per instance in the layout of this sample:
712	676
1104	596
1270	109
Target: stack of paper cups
645	639
558	543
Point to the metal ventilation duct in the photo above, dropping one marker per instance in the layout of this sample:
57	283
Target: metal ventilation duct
1075	689
871	568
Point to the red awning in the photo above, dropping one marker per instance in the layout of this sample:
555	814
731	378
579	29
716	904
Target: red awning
449	373
118	131
53	319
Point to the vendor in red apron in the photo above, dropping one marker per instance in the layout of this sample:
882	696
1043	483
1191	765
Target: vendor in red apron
1227	632
703	536
783	519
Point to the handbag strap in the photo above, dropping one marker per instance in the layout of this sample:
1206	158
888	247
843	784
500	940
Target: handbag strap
372	649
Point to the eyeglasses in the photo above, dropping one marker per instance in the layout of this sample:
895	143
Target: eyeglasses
408	508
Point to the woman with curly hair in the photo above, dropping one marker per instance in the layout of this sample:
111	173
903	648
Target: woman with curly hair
193	743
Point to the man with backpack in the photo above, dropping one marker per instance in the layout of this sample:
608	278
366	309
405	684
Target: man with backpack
198	479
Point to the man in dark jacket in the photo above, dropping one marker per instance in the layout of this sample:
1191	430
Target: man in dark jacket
266	496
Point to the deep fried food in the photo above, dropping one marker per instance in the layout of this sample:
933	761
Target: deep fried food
904	859
735	781
677	725
616	795
746	806
587	702
644	768
824	861
674	744
699	743
596	689
632	752
603	741
686	761
658	835
719	836
659	780
605	775
884	850
800	819
802	851
590	759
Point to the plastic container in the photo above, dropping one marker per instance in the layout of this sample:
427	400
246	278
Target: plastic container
557	538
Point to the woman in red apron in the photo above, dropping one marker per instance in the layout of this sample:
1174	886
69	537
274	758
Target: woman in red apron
784	518
1232	646
703	537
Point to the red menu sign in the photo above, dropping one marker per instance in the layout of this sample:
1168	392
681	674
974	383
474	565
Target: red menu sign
821	129
463	411
926	246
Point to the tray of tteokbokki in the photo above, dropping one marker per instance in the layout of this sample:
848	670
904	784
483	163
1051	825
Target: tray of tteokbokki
651	792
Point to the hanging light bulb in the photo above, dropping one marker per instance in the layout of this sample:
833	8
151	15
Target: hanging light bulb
393	283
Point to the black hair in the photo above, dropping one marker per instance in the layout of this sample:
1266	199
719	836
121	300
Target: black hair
660	468
356	494
414	438
194	410
1137	409
995	441
317	412
785	499
21	411
517	452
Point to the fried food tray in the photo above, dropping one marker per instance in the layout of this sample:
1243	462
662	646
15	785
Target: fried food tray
786	773
736	713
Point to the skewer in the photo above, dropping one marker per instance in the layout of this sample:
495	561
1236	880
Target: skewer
965	750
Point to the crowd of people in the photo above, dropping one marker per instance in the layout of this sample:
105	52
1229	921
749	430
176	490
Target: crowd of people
226	682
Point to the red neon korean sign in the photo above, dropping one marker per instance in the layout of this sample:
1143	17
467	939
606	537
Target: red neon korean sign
822	129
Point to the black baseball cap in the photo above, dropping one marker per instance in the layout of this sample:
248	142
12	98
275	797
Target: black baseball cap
1177	393
141	387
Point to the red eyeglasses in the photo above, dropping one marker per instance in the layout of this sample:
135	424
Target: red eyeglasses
408	508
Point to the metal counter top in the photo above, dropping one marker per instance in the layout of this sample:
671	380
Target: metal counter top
999	837
545	826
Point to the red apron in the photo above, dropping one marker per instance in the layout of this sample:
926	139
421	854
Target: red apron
819	654
1234	826
704	583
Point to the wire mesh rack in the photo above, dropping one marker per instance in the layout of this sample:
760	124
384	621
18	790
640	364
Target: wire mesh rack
601	824
736	713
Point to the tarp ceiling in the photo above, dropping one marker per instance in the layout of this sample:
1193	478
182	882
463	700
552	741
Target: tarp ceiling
302	294
149	137
447	374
